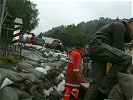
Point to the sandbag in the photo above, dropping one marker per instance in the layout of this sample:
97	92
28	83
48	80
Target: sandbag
45	85
43	65
28	68
116	93
6	82
27	99
13	76
55	95
41	70
82	89
31	55
37	73
47	92
51	59
33	63
21	94
52	74
7	93
2	78
31	78
126	83
61	86
24	65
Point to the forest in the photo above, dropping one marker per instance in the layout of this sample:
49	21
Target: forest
81	32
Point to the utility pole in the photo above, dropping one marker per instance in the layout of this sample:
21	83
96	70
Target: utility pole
2	15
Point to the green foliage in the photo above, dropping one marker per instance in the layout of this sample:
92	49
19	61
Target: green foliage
79	38
10	59
26	10
82	32
1	63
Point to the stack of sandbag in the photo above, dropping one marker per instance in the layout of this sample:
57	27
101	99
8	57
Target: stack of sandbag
124	89
45	52
33	79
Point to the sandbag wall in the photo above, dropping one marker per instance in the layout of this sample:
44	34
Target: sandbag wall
39	76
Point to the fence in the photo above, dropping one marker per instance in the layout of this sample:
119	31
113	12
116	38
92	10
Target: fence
6	44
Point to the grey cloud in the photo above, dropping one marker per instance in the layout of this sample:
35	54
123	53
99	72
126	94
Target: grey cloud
56	13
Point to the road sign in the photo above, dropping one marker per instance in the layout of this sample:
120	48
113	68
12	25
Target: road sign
18	25
18	21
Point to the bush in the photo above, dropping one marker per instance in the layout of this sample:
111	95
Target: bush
1	63
6	60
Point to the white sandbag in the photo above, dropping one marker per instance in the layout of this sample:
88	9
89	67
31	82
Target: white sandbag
65	55
38	47
33	45
48	68
47	92
61	76
44	71
51	52
42	63
61	86
43	49
64	59
56	54
47	54
6	82
27	45
51	89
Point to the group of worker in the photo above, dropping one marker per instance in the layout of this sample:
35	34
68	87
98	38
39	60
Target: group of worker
105	46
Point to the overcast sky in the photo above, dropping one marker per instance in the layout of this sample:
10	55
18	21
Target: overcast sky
56	13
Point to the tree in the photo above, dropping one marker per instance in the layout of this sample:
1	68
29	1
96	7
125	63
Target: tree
26	10
79	38
100	24
82	32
